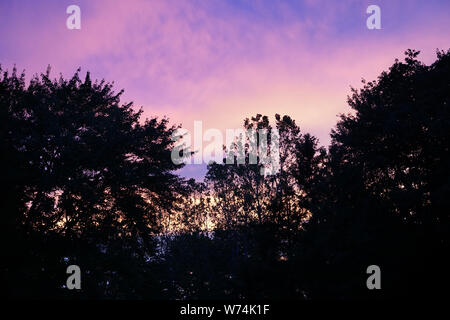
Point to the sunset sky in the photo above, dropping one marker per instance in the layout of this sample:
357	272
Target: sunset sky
220	61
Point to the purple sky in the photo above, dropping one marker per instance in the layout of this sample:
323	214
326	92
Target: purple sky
221	61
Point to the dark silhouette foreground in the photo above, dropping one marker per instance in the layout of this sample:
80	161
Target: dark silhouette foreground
85	182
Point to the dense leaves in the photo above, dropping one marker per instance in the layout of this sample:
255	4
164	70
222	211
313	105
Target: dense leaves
80	167
86	182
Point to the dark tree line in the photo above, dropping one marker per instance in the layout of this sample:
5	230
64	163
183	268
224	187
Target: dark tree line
85	181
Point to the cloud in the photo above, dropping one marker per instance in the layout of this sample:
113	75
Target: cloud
222	61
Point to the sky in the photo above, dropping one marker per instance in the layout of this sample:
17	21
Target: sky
221	61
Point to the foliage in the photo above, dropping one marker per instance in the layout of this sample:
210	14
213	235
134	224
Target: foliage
86	182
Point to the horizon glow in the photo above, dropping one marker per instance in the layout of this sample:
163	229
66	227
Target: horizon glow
223	61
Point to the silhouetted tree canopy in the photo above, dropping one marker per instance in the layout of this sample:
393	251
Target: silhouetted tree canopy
85	181
79	164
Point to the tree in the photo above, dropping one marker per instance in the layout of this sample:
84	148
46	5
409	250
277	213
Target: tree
387	185
86	182
397	141
80	166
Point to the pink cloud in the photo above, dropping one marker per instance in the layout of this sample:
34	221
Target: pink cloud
212	62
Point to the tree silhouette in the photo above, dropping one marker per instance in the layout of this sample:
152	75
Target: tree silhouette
82	166
388	176
86	182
